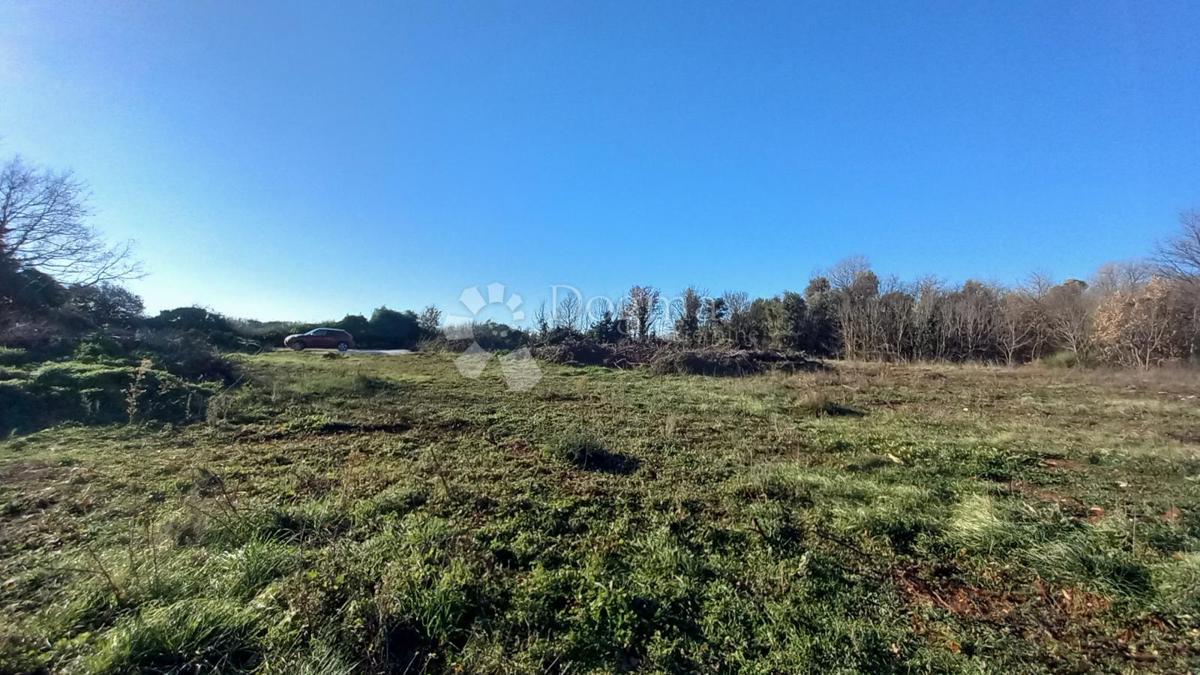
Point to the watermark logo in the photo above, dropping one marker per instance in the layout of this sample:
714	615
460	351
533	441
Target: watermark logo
520	370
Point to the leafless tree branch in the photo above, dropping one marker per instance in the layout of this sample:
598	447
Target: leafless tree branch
1179	257
43	225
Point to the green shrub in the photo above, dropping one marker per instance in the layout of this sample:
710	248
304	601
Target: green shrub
587	452
12	374
185	354
74	391
18	406
577	449
821	405
98	348
77	375
13	356
1062	359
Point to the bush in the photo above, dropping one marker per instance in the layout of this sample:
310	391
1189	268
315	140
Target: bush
191	319
588	452
74	391
435	343
820	405
1062	359
715	362
498	336
105	304
77	375
17	405
559	335
12	374
13	356
588	351
99	347
209	327
577	449
38	337
577	353
728	362
608	329
668	358
186	354
390	329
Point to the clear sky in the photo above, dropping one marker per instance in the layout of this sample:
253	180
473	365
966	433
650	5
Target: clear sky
302	160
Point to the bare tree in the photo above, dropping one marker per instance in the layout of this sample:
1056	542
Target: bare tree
540	322
642	309
896	311
858	311
847	271
1069	308
736	302
1016	324
1038	284
930	337
737	308
568	313
1037	287
1121	277
974	311
1179	257
42	226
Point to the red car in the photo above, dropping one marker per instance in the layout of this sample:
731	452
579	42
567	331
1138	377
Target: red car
321	338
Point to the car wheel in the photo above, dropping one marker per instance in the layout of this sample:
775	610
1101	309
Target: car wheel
298	345
342	346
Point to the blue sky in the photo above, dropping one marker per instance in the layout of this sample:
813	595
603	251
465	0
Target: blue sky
301	160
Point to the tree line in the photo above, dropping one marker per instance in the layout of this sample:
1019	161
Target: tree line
1138	313
1143	313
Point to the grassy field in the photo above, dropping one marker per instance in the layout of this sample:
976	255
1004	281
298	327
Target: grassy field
384	514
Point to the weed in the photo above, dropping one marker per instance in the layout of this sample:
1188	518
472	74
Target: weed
589	453
214	635
136	391
821	405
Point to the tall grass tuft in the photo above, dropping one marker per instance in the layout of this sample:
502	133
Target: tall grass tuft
819	404
198	635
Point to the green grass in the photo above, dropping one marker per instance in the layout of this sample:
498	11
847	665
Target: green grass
96	392
377	514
